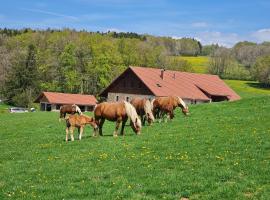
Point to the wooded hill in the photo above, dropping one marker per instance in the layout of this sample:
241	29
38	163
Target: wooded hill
85	62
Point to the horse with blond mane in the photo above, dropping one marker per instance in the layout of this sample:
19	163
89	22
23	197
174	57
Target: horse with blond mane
78	121
143	108
118	112
167	105
70	109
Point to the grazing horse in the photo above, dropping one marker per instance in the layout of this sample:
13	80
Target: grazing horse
166	105
143	108
119	112
70	109
78	121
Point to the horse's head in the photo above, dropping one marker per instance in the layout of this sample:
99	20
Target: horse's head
183	106
137	126
150	117
185	111
148	110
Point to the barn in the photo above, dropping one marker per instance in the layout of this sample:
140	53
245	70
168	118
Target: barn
152	82
52	101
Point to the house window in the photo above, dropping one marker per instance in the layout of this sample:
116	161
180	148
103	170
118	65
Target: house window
127	99
117	98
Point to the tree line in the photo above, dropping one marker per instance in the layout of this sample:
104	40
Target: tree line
85	62
244	61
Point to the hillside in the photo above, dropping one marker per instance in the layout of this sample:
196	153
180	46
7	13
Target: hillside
198	63
221	150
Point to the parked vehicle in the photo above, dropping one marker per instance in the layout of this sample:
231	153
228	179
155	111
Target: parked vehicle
18	110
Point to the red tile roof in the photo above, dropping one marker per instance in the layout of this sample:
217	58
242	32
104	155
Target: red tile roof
183	84
65	98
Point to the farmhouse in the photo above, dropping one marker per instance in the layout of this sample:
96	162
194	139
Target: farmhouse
52	101
152	82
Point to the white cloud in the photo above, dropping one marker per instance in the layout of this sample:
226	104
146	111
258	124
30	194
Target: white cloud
51	13
199	24
114	30
215	37
261	35
224	39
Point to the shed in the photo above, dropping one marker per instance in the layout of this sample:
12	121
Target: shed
52	101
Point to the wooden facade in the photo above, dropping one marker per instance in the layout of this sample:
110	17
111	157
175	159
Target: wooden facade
126	87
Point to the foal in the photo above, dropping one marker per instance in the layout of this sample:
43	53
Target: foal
78	121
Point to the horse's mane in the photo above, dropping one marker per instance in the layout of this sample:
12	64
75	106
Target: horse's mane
182	102
148	109
132	114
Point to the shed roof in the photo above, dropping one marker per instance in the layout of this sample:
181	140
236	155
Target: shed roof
65	98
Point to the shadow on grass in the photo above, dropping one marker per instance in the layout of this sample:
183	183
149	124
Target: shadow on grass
258	85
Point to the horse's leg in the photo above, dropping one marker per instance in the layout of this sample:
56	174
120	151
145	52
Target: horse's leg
102	120
123	126
160	115
143	118
71	133
115	134
81	132
66	134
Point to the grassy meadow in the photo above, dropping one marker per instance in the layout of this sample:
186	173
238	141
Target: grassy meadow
198	63
221	151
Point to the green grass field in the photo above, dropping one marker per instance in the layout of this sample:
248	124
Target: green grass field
199	63
222	151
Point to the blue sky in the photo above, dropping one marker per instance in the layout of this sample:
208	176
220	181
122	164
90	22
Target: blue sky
210	21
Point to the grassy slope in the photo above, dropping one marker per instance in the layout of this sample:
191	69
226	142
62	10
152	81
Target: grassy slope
247	89
198	63
220	152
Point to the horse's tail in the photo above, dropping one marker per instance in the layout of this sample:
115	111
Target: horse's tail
95	107
60	113
78	110
152	104
132	114
148	110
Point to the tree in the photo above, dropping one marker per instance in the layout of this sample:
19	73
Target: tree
261	70
21	84
219	61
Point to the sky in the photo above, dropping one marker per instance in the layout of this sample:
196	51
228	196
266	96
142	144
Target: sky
225	22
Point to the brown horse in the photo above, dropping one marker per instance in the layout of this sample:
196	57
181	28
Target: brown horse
166	105
70	109
143	108
119	112
78	121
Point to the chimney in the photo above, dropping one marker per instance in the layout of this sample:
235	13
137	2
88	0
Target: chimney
173	75
162	73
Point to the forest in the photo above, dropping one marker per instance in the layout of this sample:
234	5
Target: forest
85	62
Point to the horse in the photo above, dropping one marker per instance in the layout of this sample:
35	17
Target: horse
143	108
78	121
70	109
118	112
166	105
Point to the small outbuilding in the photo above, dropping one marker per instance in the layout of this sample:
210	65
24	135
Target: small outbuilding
153	82
52	101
